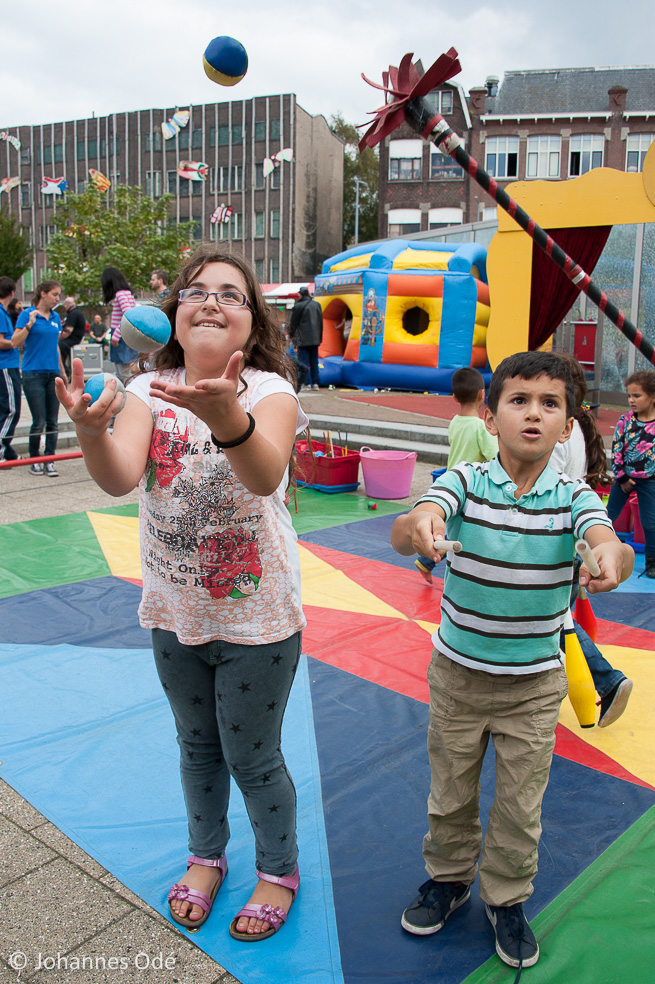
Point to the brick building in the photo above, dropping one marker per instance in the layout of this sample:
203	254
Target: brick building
286	224
549	124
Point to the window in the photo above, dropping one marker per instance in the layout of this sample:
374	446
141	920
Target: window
585	153
543	157
635	151
183	139
25	194
441	101
45	235
275	129
153	184
193	188
59	153
237	177
275	272
223	136
502	157
44	156
259	175
275	224
260	130
260	225
25	156
439	218
402	221
153	140
237	134
196	143
228	230
276	177
172	182
81	187
28	281
91	148
259	271
442	166
405	158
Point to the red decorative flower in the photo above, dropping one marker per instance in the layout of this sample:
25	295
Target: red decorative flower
167	449
227	556
401	85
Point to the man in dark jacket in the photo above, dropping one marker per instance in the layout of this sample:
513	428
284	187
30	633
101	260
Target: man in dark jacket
74	326
306	332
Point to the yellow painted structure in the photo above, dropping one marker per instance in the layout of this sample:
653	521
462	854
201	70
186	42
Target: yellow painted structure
602	197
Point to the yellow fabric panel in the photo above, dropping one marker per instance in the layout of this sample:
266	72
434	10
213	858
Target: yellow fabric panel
482	312
430	627
627	741
325	587
353	263
118	537
397	306
419	259
354	301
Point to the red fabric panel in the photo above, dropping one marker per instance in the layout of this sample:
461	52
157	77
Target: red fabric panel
552	291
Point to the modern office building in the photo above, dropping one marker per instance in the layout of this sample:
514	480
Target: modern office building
549	124
286	223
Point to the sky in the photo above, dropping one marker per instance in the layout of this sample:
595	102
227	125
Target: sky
72	59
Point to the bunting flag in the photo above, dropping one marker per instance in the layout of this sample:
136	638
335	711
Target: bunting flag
6	184
14	141
270	163
100	180
193	170
221	214
53	186
176	123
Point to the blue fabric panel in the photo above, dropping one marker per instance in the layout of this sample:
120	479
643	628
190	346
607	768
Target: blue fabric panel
460	298
374	312
375	775
467	256
102	713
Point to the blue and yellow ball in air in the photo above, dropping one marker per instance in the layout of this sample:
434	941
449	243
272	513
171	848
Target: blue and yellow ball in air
225	60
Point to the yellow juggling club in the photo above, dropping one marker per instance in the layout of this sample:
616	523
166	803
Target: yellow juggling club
582	693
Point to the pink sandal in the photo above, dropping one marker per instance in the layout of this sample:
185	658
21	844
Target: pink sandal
195	897
274	915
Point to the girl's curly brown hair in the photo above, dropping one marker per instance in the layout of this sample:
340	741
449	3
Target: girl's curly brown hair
264	349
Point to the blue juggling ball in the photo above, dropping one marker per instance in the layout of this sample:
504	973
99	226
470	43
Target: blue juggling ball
97	383
145	328
225	60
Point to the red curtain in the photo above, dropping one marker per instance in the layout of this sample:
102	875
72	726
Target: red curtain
552	292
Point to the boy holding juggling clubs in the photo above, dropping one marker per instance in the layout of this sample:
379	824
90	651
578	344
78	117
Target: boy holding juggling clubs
496	668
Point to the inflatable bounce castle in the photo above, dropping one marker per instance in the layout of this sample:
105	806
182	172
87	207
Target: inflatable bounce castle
403	314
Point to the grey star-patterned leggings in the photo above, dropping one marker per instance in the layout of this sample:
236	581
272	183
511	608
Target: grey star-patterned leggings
228	701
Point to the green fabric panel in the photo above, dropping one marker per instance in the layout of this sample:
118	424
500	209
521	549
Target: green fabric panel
43	553
318	510
600	930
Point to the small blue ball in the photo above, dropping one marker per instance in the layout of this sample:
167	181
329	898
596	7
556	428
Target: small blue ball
225	60
97	383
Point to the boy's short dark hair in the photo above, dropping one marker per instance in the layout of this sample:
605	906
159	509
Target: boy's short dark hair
466	383
642	377
7	285
530	365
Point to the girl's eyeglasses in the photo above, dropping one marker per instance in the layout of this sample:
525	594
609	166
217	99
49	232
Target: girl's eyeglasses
227	298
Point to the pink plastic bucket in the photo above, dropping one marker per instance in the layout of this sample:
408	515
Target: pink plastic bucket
387	474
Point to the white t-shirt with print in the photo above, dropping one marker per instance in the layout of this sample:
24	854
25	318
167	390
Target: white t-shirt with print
218	561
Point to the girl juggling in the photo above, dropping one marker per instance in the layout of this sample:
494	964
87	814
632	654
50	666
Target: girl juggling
207	436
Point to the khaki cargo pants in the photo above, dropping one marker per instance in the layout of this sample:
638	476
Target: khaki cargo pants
519	712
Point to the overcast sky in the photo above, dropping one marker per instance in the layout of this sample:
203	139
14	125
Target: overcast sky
70	59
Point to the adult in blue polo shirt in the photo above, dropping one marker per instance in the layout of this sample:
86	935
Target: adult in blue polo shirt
9	373
38	329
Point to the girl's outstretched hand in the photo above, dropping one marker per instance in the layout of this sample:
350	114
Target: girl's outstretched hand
212	400
88	419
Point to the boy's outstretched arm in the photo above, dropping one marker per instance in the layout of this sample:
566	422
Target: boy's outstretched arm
415	532
614	558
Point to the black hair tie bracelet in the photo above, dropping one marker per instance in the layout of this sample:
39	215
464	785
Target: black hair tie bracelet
221	445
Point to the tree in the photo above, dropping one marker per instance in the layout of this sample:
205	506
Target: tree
364	166
15	250
127	230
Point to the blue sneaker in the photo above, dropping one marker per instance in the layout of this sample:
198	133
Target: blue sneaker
515	942
434	903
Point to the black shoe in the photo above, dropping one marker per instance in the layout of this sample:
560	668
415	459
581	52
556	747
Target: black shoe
434	903
649	566
515	942
614	703
50	470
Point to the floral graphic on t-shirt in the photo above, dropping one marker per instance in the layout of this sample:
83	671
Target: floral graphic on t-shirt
166	450
231	560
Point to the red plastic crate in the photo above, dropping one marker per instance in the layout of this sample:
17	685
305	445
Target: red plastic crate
342	469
